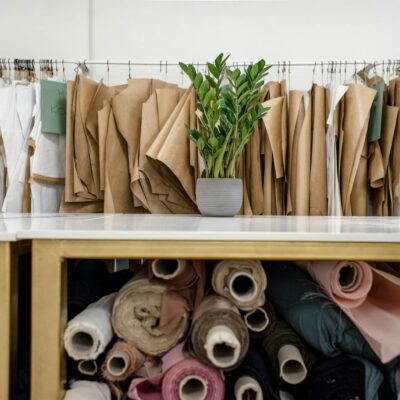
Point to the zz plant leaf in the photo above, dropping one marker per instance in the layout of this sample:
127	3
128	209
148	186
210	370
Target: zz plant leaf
229	104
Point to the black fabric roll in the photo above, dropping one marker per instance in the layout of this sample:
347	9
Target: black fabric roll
339	378
255	365
87	280
283	335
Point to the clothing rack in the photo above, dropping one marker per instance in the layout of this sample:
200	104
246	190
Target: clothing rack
166	64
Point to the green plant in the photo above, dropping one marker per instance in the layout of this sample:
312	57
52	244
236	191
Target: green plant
228	112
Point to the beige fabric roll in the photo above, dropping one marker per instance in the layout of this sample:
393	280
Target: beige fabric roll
241	281
136	317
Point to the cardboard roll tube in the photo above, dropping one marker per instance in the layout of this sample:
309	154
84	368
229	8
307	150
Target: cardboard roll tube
118	363
87	367
168	269
242	287
222	346
291	364
248	388
193	387
256	320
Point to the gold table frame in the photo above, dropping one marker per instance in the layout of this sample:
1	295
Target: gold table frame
49	282
9	253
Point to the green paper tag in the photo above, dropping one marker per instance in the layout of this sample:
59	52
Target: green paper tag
53	103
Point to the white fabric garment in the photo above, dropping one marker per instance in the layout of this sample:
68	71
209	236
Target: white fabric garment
5	92
88	334
86	390
48	161
15	134
333	188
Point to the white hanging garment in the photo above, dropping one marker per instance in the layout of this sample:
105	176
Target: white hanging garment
15	138
5	93
333	188
47	165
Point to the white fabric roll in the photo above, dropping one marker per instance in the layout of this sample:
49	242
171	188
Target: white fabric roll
88	334
85	390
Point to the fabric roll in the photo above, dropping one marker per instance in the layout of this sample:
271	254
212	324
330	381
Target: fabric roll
339	378
121	362
182	378
321	324
366	295
136	317
185	280
253	379
261	320
86	282
241	281
219	336
88	334
88	391
289	355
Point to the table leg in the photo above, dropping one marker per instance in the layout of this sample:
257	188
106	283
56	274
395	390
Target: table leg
49	314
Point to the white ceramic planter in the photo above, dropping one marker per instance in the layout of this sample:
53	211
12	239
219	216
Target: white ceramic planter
219	197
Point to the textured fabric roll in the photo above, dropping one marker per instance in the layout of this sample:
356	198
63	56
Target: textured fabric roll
241	281
121	362
88	334
261	320
88	367
185	289
136	317
366	295
340	378
182	378
289	355
85	390
219	336
253	379
300	302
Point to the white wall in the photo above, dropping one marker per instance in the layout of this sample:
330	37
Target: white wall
140	30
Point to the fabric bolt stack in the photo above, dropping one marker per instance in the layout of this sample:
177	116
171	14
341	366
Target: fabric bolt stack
308	332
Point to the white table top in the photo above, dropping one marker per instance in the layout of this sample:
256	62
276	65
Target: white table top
180	227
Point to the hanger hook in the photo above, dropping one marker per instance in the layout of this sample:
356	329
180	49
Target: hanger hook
129	69
160	66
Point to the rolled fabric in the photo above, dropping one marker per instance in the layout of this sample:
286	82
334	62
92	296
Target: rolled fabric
121	362
243	282
86	283
253	379
261	320
88	334
289	355
88	390
298	299
185	289
136	317
366	295
335	379
219	336
182	378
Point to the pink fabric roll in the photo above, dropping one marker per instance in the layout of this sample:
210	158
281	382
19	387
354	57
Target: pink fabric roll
368	296
178	368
